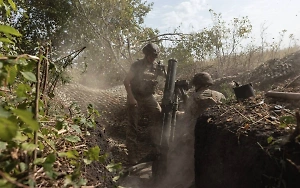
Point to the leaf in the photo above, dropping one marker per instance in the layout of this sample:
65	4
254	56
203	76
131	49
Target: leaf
51	143
287	120
93	153
229	119
3	183
12	74
209	120
28	146
3	145
283	125
59	125
7	9
22	61
9	30
51	158
6	40
71	154
48	168
114	167
87	161
29	76
270	139
82	182
22	90
73	138
68	180
83	120
12	4
246	126
4	113
39	161
23	166
76	128
48	165
41	146
8	130
103	158
27	118
90	124
20	137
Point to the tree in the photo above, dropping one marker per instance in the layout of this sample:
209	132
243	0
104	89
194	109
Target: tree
110	29
40	21
221	42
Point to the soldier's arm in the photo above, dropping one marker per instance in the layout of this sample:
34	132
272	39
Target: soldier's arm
126	82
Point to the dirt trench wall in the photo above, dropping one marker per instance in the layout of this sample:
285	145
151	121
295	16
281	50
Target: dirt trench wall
225	159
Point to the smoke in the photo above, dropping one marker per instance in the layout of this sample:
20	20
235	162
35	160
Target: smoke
180	166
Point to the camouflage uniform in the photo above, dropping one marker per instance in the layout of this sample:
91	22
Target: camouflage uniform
201	99
143	87
198	102
181	157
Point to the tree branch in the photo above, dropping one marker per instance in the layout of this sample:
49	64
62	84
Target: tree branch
6	177
83	12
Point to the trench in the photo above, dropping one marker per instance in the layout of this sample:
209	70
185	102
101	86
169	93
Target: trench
224	158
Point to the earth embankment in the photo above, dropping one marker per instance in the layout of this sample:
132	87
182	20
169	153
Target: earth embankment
246	145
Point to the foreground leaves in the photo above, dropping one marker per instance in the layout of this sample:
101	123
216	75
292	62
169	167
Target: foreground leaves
56	138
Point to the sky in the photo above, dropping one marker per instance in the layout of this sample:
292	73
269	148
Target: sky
193	15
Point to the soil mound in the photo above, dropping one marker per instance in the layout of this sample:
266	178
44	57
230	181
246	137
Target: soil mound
247	144
269	75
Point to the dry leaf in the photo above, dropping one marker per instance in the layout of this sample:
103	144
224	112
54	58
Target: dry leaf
14	153
229	119
209	120
247	126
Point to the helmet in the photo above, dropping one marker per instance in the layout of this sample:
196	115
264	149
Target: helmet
202	79
151	49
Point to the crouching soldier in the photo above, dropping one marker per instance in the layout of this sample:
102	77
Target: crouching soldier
181	157
200	99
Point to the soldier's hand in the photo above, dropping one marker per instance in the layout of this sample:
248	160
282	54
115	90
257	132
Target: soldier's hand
132	102
184	97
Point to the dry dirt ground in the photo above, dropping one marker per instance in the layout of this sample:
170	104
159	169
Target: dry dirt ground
237	144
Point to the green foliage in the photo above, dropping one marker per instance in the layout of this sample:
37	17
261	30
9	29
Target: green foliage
39	21
9	30
28	138
270	139
110	29
222	39
285	121
18	126
115	168
228	92
6	7
113	33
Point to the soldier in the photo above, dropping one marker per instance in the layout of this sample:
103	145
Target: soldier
201	98
140	85
181	157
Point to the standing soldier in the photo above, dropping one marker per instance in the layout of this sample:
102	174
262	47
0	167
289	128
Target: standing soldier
140	84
